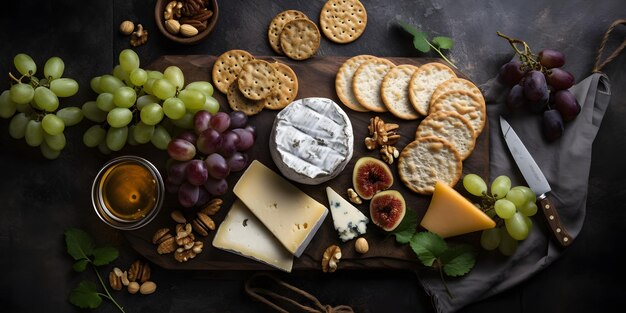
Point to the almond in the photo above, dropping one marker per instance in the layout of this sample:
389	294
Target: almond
172	26
188	30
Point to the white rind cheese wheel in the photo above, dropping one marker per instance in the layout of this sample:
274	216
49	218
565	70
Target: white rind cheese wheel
311	140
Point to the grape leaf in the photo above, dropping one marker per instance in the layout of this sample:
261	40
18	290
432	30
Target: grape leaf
104	255
79	244
405	231
420	42
408	28
80	265
442	42
85	296
458	260
428	247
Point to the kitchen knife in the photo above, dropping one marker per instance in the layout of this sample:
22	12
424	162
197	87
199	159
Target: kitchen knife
536	181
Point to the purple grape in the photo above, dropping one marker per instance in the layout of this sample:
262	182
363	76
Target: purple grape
552	125
515	99
559	79
188	135
171	187
181	150
237	161
208	141
216	187
196	172
238	119
188	195
535	86
541	105
551	58
230	140
220	121
201	121
176	173
511	73
217	166
566	104
203	196
252	130
246	139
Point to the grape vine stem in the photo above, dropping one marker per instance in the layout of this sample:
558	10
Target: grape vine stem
108	295
526	56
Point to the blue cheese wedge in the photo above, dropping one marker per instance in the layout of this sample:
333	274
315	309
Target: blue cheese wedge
242	233
311	141
349	221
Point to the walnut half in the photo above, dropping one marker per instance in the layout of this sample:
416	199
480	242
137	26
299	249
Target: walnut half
381	134
331	257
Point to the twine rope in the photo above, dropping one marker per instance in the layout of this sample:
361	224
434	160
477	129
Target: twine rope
598	66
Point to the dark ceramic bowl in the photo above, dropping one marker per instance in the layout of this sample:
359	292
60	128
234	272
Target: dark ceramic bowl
159	9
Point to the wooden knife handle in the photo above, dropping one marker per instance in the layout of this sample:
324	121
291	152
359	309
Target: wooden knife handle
559	232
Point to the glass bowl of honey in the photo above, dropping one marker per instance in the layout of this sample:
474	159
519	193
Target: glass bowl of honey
128	192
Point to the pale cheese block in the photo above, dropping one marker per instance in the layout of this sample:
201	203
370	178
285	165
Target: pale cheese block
395	92
424	81
450	214
348	220
242	233
287	212
312	140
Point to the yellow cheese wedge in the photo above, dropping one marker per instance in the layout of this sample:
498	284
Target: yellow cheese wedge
450	214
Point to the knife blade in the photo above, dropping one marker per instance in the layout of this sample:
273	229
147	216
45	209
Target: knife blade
536	181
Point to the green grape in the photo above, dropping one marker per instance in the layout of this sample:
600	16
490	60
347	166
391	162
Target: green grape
175	76
163	89
504	208
131	136
528	209
161	138
174	108
185	122
151	114
116	138
138	77
17	126
124	97
121	74
500	186
193	99
53	68
103	148
529	223
474	184
205	87
129	60
55	142
104	101
52	124
7	106
24	108
155	74
147	87
143	133
93	113
109	83
94	135
25	64
516	196
508	245
33	133
70	115
490	239
21	93
95	84
64	87
45	99
210	105
517	227
145	100
48	152
119	117
530	194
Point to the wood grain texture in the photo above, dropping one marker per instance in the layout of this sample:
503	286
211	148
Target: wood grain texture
317	79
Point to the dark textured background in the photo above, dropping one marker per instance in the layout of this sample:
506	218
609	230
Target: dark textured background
41	198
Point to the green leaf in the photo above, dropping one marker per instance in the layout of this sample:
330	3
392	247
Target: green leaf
428	247
79	244
104	255
420	42
442	42
409	28
85	296
458	260
405	231
80	265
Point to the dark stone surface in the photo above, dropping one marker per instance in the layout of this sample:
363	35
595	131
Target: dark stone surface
41	198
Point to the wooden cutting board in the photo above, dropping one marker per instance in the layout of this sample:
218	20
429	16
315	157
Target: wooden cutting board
316	78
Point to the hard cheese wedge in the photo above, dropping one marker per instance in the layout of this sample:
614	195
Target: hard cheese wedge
242	233
349	221
450	214
290	214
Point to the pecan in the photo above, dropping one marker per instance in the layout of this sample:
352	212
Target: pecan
203	15
192	7
139	271
202	224
166	243
213	206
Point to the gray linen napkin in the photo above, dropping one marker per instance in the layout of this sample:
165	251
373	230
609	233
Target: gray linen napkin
565	164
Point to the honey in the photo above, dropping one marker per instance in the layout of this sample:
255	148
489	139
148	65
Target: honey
128	190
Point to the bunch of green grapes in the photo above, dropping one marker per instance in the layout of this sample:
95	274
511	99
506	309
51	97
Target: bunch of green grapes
511	207
33	105
136	105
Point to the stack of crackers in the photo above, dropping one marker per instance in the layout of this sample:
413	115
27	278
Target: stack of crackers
252	85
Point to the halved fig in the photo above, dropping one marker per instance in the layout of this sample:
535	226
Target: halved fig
370	176
387	209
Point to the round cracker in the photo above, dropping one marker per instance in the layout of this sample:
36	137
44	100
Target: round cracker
395	91
367	81
277	24
427	160
287	88
238	102
300	39
464	103
227	67
452	127
423	83
454	84
343	82
343	21
257	79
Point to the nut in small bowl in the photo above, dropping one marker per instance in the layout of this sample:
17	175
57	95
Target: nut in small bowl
186	21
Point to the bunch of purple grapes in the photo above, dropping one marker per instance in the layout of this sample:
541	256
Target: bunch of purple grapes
540	85
203	158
